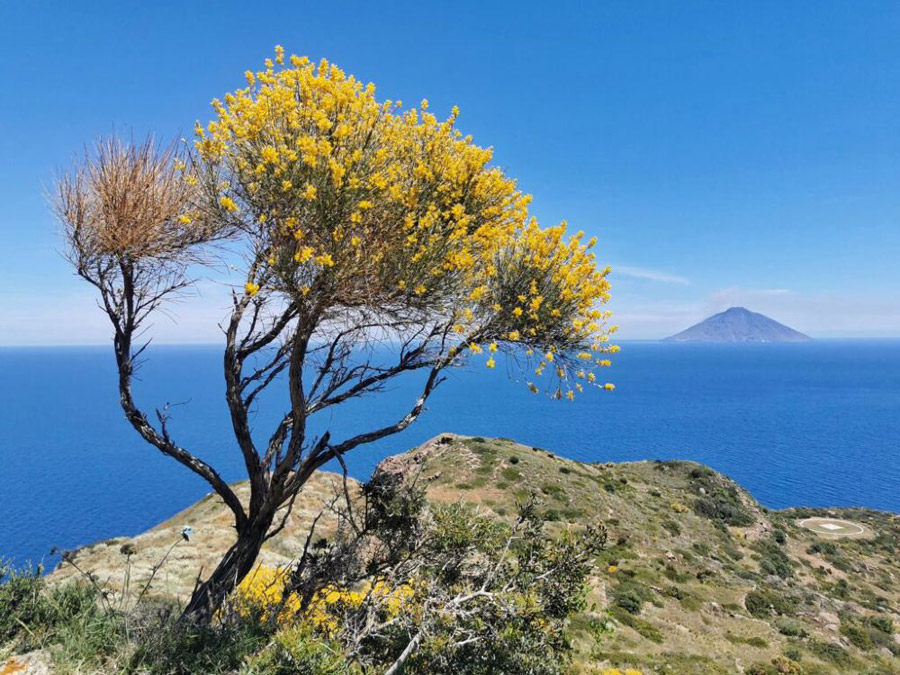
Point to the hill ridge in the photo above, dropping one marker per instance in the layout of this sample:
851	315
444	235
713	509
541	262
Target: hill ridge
698	579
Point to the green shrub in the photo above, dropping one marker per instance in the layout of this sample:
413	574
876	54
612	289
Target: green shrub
829	651
166	646
72	615
885	624
780	665
630	596
671	527
826	547
717	500
856	635
773	559
643	628
722	510
752	641
790	628
762	603
295	651
21	602
510	474
554	491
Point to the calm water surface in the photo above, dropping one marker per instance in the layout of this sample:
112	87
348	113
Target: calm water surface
808	424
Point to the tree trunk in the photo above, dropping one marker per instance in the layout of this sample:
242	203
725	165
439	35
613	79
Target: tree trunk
234	566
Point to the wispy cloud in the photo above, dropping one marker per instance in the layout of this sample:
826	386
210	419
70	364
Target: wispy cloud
737	294
650	274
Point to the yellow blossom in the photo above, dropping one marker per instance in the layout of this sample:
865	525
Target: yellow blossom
304	254
321	164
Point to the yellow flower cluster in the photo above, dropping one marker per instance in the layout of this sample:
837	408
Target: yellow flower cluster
355	202
262	591
616	671
326	606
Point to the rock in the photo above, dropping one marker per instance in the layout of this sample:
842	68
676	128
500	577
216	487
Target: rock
32	663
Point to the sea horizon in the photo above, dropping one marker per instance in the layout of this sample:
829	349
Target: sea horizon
806	424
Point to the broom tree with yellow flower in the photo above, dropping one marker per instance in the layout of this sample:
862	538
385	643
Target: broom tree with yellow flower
360	225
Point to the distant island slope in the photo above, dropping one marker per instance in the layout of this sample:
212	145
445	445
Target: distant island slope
739	324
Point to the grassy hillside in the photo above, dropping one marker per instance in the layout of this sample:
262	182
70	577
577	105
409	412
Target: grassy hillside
698	577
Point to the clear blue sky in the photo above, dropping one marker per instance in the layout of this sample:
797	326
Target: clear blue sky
725	153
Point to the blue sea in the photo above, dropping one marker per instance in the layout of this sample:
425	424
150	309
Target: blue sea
813	424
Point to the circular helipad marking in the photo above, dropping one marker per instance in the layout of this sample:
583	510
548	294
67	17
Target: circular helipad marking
833	527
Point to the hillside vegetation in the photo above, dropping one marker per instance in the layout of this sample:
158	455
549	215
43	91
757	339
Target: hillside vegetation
696	577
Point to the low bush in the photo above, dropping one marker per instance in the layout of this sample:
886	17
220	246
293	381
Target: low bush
773	560
643	628
717	500
885	624
74	615
790	628
671	527
824	547
630	595
296	651
780	665
830	651
752	641
163	645
762	603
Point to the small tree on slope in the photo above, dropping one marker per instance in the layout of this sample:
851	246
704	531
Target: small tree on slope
374	242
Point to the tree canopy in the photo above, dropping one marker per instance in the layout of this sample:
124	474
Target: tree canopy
372	243
353	204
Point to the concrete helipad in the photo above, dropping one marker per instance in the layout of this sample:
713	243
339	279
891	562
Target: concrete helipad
834	527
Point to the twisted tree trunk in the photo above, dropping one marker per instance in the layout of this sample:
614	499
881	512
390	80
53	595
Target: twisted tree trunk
236	564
